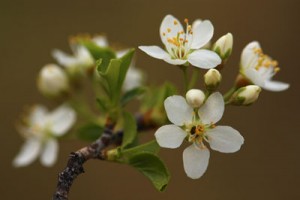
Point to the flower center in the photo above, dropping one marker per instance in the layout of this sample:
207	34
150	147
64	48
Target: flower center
264	61
179	45
196	133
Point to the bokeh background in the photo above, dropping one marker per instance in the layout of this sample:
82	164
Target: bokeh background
267	167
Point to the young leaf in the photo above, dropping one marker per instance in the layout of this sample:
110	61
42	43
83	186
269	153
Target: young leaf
114	74
130	130
90	132
103	53
131	94
153	168
150	147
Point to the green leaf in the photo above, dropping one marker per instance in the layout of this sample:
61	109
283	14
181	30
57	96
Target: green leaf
150	147
103	53
130	130
102	104
131	94
153	168
114	74
90	132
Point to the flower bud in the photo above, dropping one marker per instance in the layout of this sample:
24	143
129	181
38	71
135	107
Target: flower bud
246	95
195	98
52	80
223	46
212	79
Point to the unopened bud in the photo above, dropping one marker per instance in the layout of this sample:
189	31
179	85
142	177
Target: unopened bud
212	79
195	98
223	46
52	80
246	95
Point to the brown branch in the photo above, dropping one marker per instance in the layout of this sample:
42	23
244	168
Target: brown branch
93	151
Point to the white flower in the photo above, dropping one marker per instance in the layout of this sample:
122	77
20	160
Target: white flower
52	80
197	128
260	68
41	129
184	46
77	63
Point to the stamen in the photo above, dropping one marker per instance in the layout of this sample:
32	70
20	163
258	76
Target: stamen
186	21
169	30
175	22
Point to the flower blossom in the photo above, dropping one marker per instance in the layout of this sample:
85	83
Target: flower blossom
259	68
40	132
183	46
197	126
77	63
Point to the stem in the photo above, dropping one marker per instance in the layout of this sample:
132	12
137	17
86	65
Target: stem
76	160
194	78
228	94
185	78
96	150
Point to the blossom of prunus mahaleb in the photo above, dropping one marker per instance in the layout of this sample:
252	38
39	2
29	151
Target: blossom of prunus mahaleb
184	46
259	68
41	131
197	127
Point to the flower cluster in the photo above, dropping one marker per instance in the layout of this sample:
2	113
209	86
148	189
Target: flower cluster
114	81
192	120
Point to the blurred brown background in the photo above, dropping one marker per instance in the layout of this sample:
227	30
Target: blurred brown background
267	167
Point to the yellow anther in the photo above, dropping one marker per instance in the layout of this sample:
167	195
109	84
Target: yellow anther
186	21
181	32
257	50
169	30
164	34
181	39
175	22
189	27
276	69
274	63
186	41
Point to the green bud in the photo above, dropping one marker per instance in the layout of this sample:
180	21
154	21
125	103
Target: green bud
52	80
223	46
195	98
246	95
212	79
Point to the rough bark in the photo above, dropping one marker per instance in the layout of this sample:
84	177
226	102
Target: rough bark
93	151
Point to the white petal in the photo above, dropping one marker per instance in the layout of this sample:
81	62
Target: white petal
224	139
133	79
213	109
195	161
101	41
154	51
38	115
178	111
204	59
170	136
61	120
28	153
248	56
168	24
174	61
202	34
121	53
254	76
49	154
276	86
64	59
